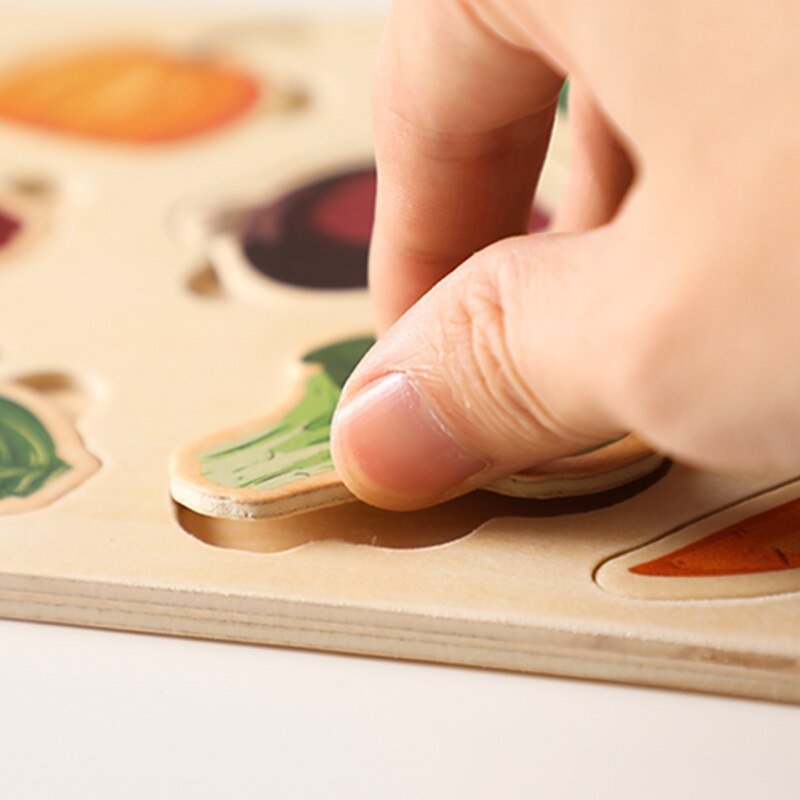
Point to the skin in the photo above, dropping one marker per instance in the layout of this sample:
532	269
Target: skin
667	299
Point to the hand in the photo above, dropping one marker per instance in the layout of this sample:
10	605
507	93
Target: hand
667	299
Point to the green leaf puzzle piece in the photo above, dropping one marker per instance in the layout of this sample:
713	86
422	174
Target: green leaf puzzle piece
28	457
296	445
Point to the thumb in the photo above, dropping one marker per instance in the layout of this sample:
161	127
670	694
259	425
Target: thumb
503	365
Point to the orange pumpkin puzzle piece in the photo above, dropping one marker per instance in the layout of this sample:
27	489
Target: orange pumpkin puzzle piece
766	542
138	95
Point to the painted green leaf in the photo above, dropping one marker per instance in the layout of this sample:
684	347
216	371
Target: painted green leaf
296	445
28	457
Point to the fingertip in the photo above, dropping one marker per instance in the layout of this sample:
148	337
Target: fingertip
392	451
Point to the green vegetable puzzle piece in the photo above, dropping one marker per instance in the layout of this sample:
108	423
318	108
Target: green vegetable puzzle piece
283	464
295	446
28	457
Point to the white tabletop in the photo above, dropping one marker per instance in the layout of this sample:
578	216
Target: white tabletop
91	714
96	714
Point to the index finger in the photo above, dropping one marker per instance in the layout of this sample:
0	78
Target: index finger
462	123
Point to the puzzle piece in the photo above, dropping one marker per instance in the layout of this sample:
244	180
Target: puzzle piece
135	94
282	464
41	455
10	227
313	236
750	549
317	235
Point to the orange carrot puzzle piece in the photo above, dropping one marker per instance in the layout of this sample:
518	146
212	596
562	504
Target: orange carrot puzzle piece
134	94
766	542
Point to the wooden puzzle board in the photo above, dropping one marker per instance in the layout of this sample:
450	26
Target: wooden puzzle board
102	301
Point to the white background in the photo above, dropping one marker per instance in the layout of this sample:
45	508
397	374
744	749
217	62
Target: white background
95	714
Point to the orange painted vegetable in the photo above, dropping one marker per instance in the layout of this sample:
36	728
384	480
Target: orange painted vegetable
766	542
134	94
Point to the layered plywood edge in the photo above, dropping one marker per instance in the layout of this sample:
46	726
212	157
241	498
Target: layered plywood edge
105	296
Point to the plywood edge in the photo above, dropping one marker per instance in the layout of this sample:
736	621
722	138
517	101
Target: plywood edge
404	635
575	483
314	495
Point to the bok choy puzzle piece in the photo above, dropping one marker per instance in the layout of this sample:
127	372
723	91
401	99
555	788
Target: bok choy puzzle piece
282	464
295	446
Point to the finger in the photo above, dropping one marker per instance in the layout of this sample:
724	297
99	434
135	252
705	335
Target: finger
462	124
601	171
501	366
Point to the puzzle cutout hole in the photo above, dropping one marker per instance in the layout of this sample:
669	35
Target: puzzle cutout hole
34	187
69	395
357	523
204	282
